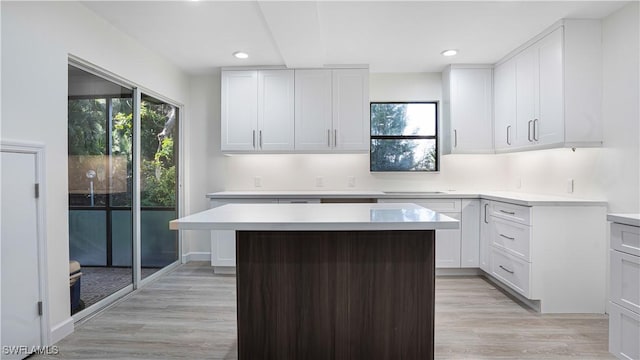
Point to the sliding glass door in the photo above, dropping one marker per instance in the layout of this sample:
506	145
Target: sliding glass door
123	176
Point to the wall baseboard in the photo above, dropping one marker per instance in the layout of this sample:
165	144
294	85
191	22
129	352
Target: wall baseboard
61	330
196	256
458	271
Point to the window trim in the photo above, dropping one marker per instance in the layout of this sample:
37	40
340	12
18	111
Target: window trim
435	137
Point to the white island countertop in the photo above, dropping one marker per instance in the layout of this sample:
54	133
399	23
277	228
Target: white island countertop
316	217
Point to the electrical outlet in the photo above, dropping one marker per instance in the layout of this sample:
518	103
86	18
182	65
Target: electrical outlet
257	181
570	185
319	181
351	181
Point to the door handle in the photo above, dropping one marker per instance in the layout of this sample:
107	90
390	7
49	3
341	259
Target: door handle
329	137
455	138
505	269
529	130
485	213
260	138
335	137
508	128
253	140
535	130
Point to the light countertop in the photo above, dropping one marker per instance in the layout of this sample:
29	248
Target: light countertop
520	198
627	219
316	217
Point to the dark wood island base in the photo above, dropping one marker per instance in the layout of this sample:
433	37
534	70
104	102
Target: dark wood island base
335	294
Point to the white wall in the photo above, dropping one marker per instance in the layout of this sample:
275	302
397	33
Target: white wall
299	172
37	38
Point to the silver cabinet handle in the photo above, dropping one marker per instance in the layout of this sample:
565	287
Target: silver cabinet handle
254	139
535	130
260	138
507	212
329	137
455	138
298	202
508	128
529	130
505	269
506	237
485	213
335	137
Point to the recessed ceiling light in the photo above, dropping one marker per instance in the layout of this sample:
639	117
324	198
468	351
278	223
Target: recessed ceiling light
240	55
449	52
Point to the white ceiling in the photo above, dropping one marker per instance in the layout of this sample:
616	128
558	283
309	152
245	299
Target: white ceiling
390	36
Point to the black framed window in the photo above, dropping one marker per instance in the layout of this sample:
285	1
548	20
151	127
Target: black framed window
404	136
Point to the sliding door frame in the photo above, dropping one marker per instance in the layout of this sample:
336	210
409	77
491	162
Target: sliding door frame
138	90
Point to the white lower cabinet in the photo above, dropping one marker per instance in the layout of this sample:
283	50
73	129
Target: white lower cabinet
551	255
455	248
624	305
223	242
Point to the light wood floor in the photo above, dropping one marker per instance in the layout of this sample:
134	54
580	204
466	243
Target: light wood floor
190	314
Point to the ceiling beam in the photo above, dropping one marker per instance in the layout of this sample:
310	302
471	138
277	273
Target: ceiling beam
295	28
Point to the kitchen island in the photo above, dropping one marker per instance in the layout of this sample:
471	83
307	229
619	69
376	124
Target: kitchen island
331	281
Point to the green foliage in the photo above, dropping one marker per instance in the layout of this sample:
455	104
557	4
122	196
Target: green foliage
88	136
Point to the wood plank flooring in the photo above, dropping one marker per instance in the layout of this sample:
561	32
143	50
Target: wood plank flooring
191	314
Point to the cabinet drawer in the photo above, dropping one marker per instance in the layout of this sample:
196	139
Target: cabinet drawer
517	213
625	280
439	205
624	332
625	238
511	237
510	270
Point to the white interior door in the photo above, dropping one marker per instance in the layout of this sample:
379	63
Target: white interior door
21	322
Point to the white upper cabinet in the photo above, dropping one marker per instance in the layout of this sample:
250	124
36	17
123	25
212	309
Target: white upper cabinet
275	109
313	111
257	110
504	117
467	109
351	109
239	110
548	92
332	110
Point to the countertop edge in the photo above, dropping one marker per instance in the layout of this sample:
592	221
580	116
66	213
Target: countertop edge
381	195
625	219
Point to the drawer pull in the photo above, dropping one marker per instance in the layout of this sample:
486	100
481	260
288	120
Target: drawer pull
507	237
505	269
299	202
507	212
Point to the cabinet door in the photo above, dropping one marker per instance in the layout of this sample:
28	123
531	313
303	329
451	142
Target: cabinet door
526	89
275	109
549	120
470	234
351	109
223	248
505	104
448	246
485	235
313	128
470	110
239	110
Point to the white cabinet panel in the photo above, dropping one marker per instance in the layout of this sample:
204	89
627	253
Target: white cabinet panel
625	280
624	332
549	122
313	110
351	109
239	110
505	105
470	234
526	95
275	110
467	109
485	235
625	238
510	270
448	246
